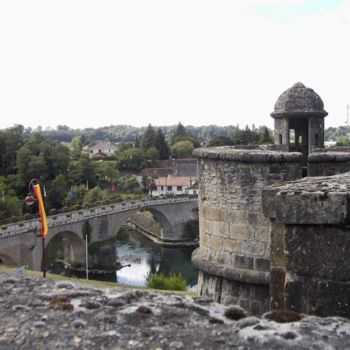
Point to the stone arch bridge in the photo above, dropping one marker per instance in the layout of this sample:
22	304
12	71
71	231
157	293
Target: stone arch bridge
20	243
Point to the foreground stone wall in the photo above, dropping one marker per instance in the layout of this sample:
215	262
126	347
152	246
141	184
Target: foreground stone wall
43	314
310	244
234	251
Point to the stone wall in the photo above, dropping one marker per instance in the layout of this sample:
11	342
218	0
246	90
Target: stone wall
310	244
328	163
234	234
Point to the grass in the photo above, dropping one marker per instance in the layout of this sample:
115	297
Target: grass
173	282
85	282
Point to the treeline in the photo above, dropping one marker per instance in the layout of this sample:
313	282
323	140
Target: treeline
127	133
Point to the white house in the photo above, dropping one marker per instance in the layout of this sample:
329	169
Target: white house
103	149
174	186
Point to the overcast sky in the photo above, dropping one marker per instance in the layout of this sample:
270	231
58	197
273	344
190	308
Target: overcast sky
85	63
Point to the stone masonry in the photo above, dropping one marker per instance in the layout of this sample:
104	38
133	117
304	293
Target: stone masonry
310	244
234	234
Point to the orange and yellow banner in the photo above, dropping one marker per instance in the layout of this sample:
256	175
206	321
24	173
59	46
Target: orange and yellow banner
39	198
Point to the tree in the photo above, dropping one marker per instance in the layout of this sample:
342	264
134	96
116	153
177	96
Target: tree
195	142
180	131
106	172
83	171
265	136
57	192
131	159
10	205
245	137
86	230
148	138
161	145
152	154
10	141
182	149
95	195
76	147
42	159
220	141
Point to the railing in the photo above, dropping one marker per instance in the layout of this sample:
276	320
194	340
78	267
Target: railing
27	226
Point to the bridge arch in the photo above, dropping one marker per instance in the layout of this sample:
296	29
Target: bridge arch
69	243
7	260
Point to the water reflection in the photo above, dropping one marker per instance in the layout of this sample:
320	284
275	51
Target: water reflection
135	256
145	257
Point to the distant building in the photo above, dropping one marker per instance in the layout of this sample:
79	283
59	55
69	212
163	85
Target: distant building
104	149
174	186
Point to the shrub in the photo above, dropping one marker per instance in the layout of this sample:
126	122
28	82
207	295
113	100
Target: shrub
27	216
53	211
3	227
160	281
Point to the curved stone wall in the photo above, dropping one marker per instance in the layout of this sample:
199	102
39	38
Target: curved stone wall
233	256
328	163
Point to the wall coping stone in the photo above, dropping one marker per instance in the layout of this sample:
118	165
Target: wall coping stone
228	272
325	157
311	200
257	155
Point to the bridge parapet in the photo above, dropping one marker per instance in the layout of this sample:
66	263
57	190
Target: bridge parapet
15	229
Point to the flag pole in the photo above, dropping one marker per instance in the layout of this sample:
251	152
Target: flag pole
34	187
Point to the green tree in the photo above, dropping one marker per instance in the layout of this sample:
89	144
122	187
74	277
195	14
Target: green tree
152	154
182	149
195	142
265	136
95	195
245	137
132	159
107	172
220	141
86	230
10	205
76	147
57	192
148	138
42	159
161	145
83	171
10	141
179	131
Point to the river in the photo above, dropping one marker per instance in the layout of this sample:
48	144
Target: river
139	256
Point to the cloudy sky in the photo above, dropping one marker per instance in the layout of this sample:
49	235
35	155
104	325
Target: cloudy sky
90	63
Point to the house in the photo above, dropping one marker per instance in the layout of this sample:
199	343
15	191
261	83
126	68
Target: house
174	186
104	149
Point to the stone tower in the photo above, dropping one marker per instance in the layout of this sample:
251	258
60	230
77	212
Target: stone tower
299	120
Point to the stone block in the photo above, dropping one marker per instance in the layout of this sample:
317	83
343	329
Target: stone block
208	226
262	264
232	245
317	251
318	297
221	229
311	208
213	214
243	262
215	243
241	232
253	248
262	232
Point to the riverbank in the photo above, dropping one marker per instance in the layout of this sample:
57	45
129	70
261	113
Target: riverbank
39	313
103	285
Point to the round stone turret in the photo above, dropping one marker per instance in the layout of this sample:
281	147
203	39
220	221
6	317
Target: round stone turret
299	120
299	101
